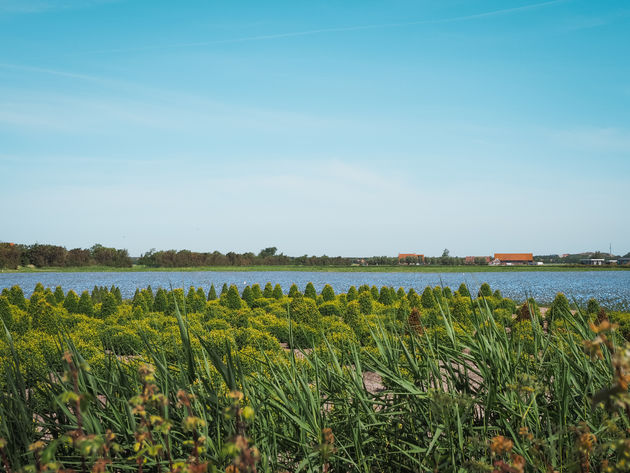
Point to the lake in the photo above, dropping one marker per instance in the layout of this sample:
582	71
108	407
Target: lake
611	288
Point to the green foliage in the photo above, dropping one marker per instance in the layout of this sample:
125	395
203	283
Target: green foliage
374	292
71	303
328	293
352	294
592	306
277	292
160	304
385	296
59	295
463	290
329	308
304	311
109	305
16	297
294	291
268	291
309	291
461	310
485	290
352	314
559	307
257	292
365	302
497	295
232	300
6	313
248	296
212	293
224	289
428	299
85	304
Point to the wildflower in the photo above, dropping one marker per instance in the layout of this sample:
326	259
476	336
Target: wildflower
500	445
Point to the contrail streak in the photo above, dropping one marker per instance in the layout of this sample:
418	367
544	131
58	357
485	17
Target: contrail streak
475	16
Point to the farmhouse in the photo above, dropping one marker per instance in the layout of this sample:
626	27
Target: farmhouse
508	259
593	261
410	258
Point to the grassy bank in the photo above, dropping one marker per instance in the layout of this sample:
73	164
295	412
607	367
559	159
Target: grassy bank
348	269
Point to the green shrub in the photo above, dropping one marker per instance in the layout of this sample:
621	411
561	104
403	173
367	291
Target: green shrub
309	291
428	299
329	308
328	293
365	302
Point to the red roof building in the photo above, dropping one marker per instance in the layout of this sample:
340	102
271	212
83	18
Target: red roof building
514	258
402	257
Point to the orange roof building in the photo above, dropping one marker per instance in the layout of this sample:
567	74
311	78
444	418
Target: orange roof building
404	256
514	258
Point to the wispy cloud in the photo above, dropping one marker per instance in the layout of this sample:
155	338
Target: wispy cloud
341	29
40	6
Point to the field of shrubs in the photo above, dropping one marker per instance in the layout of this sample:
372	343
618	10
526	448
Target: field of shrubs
263	380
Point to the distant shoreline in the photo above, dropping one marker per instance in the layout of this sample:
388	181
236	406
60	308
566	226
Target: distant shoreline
341	269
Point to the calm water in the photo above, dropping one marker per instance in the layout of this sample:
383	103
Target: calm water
611	288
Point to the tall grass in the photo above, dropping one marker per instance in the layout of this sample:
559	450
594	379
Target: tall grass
483	400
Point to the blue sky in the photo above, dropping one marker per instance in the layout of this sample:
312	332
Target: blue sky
344	128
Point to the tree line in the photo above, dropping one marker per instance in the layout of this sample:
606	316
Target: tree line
41	256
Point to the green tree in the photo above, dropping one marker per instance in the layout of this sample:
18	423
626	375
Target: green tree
485	290
39	287
201	294
233	299
427	299
85	304
328	293
160	304
59	295
559	307
248	296
353	294
271	251
190	299
277	292
497	295
592	306
374	292
117	295
365	302
401	293
304	311
71	303
212	293
352	314
6	314
268	291
463	290
256	291
309	291
224	289
385	296
294	291
139	301
16	297
109	305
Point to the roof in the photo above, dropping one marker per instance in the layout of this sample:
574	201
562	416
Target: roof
514	256
405	255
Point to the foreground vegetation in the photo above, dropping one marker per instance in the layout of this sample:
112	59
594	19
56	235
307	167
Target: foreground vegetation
371	380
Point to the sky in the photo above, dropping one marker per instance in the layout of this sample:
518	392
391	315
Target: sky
348	128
